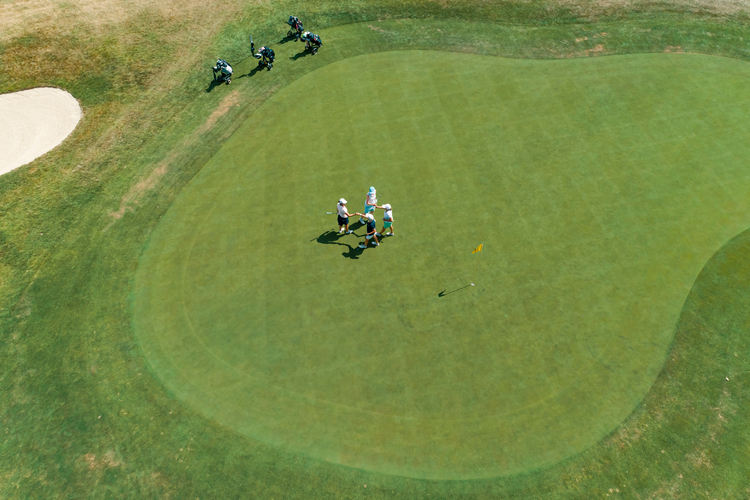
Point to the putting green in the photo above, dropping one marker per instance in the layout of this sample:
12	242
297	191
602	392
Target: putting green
599	187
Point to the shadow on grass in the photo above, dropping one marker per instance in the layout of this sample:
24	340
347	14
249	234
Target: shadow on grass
213	85
332	238
253	71
444	293
287	39
304	53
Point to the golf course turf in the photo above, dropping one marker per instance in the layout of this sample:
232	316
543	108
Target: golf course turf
593	184
609	193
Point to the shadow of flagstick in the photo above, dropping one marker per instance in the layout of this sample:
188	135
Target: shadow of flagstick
443	294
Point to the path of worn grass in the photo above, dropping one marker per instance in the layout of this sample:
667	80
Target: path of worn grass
69	357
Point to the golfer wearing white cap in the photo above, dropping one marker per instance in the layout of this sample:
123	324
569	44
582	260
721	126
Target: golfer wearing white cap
371	202
370	230
387	220
343	216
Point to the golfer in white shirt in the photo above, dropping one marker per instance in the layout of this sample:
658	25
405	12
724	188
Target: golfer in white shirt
343	216
387	220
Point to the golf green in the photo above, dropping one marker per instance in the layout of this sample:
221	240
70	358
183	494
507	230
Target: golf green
599	188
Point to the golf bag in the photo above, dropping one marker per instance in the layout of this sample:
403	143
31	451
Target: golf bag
224	71
296	28
266	56
313	41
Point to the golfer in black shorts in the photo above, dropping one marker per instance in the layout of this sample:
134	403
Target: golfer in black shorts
371	231
343	216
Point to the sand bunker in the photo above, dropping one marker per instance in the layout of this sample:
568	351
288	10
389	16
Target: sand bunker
33	122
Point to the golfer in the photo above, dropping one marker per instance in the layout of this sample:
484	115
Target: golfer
343	216
371	230
371	203
387	220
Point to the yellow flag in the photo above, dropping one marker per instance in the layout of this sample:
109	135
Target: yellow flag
477	249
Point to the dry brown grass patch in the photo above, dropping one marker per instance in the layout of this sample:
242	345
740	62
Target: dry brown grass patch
231	100
98	16
626	435
109	459
598	8
668	490
379	29
136	192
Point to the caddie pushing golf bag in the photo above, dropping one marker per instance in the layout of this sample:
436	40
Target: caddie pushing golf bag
296	27
266	56
224	71
313	41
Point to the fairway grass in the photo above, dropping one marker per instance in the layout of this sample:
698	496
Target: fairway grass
86	415
599	188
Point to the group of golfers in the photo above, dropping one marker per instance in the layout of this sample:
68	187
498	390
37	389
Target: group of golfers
265	55
367	218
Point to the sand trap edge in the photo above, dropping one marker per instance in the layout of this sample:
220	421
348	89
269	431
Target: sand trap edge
33	122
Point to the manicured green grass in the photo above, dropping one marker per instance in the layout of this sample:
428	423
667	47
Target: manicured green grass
593	185
84	417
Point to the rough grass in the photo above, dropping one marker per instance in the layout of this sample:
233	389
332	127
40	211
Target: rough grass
81	415
98	18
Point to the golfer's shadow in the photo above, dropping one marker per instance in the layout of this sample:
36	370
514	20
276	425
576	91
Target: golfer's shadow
299	55
332	238
253	71
213	85
286	39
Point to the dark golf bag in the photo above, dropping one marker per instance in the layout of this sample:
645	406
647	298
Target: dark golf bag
222	72
266	56
296	28
313	41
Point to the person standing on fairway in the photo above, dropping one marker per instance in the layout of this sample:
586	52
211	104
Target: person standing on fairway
343	216
371	230
371	202
387	220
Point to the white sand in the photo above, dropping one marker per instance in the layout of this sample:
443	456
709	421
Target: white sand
33	122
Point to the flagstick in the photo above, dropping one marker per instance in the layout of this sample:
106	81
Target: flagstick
476	269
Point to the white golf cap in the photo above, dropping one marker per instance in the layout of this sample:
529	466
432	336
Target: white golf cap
342	201
369	216
387	206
